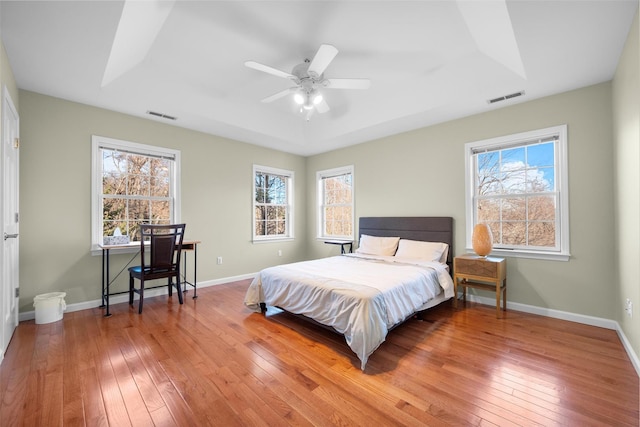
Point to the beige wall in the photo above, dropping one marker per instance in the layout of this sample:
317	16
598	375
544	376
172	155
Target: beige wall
56	192
626	131
422	173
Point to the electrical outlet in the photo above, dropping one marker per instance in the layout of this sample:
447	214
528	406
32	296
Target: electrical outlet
628	307
219	260
279	252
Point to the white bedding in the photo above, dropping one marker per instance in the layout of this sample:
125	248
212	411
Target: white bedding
360	296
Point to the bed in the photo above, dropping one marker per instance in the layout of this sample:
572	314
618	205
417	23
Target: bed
401	267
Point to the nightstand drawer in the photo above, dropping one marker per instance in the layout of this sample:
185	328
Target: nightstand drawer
476	267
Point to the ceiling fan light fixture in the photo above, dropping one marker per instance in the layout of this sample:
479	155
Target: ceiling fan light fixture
309	100
308	78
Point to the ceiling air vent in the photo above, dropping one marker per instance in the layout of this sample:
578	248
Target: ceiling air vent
163	116
505	97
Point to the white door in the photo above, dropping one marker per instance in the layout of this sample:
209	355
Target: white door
10	217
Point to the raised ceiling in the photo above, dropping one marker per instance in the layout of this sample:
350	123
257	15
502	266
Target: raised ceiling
428	61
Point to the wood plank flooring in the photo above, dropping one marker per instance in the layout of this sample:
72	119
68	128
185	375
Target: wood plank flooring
214	362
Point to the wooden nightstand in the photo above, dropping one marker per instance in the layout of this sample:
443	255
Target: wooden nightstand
488	273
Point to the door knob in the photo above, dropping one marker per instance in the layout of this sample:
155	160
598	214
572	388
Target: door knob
10	236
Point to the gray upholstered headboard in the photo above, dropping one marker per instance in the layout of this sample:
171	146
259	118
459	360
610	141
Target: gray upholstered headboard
423	228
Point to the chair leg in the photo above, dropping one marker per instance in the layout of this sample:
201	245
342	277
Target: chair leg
130	290
141	296
178	288
170	285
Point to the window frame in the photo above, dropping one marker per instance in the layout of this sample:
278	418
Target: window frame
320	176
289	219
562	253
100	142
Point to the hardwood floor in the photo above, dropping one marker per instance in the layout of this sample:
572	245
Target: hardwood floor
213	362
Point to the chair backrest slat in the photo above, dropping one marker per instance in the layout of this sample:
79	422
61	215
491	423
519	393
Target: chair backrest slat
165	246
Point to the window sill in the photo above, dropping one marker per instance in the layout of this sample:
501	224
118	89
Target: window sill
549	256
275	239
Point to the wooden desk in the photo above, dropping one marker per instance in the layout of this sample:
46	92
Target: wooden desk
187	245
342	244
488	273
190	246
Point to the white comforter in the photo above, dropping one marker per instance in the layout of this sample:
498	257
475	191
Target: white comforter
360	296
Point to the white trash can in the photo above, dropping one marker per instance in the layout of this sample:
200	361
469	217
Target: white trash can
49	307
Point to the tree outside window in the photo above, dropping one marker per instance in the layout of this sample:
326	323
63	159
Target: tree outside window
132	184
135	190
516	195
272	203
519	185
335	194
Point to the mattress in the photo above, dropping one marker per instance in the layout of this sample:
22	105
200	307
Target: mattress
360	296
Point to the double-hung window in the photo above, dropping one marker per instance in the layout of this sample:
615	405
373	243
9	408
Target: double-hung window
335	203
518	185
272	204
132	184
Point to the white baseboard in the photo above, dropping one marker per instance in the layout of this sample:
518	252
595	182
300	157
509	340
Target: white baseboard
120	298
572	317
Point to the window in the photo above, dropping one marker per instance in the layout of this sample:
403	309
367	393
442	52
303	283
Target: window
272	204
335	202
518	185
132	184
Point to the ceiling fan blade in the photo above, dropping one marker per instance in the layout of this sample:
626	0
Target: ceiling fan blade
279	95
323	58
267	69
348	84
322	106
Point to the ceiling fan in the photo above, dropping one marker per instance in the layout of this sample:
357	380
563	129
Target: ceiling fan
309	81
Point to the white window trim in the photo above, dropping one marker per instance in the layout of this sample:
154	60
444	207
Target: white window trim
290	217
343	170
562	160
96	182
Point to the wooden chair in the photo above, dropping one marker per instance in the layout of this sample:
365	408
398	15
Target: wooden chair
165	248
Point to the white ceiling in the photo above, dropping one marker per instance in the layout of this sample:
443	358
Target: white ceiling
428	61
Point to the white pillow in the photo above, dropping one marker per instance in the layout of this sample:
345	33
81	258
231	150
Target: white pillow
373	245
427	251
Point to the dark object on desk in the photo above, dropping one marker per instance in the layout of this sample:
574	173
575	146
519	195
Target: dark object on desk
165	248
